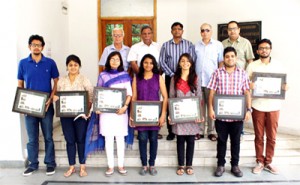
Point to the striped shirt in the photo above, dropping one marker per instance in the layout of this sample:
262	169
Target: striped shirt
170	53
235	83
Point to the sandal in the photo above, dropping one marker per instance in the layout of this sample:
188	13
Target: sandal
199	136
109	172
70	171
180	170
122	171
189	170
82	172
212	137
152	171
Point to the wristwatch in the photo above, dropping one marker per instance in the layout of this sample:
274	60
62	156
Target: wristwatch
250	110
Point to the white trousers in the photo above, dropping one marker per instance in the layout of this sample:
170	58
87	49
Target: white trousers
109	148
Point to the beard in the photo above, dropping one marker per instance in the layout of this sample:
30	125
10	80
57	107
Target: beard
229	65
264	56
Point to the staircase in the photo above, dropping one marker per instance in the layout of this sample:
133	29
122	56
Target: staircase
287	151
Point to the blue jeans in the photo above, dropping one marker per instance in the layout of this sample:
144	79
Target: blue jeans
143	137
74	132
32	128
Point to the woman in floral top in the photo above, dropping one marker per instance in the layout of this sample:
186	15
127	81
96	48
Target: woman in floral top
75	130
184	83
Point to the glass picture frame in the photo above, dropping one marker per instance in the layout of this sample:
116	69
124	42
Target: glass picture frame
268	85
71	103
146	113
185	109
30	102
108	100
230	106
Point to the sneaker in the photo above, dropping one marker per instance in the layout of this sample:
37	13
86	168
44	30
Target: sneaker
258	168
50	171
28	172
272	169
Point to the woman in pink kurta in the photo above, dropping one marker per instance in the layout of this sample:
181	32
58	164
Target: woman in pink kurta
115	125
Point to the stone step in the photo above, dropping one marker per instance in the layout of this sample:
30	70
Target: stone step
169	158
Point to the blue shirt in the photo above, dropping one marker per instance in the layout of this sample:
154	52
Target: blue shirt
208	58
170	53
37	76
108	49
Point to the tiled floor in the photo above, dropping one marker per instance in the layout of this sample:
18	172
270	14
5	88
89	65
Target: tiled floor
166	175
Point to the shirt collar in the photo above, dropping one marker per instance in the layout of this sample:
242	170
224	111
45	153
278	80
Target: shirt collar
31	60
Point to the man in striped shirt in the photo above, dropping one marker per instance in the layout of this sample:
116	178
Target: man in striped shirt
169	56
229	80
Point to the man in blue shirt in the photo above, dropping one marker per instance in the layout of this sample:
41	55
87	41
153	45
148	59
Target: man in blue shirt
118	36
209	54
36	72
169	56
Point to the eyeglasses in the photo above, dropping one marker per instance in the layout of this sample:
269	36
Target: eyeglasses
264	48
232	29
114	60
36	45
205	30
117	36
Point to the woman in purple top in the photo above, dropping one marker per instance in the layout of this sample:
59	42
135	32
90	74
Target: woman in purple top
184	83
147	86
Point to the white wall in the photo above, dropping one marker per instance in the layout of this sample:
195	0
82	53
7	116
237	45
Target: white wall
280	23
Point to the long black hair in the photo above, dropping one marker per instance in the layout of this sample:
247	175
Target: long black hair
141	68
192	77
107	64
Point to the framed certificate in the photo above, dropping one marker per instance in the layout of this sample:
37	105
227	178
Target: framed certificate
146	113
30	102
71	103
229	106
268	85
108	99
184	109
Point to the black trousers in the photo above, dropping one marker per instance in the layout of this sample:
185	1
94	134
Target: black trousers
189	152
233	129
168	82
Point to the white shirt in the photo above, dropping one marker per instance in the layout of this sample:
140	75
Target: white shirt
138	50
264	104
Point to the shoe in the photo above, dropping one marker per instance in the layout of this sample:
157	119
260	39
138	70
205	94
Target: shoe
212	137
28	172
159	136
258	168
70	171
272	169
152	171
235	170
199	136
219	171
143	171
109	172
122	171
50	171
170	137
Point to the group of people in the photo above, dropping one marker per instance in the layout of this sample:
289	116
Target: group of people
201	70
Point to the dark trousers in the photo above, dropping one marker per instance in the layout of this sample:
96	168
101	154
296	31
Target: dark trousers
233	129
189	152
74	132
143	137
168	82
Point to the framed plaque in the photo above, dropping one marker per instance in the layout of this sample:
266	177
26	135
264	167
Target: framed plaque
268	85
146	113
230	106
30	102
184	109
108	100
71	103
